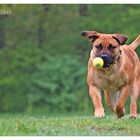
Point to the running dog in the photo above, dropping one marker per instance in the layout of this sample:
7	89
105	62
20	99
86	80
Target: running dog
120	75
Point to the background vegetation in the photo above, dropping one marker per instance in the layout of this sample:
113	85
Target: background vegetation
43	58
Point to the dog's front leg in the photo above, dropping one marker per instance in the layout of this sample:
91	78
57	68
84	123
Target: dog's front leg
96	99
119	107
134	97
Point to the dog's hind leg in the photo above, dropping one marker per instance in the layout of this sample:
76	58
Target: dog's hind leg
119	106
133	99
111	99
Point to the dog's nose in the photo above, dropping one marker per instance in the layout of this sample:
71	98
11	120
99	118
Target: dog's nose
104	56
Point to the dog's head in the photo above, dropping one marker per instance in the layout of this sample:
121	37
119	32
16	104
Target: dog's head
106	46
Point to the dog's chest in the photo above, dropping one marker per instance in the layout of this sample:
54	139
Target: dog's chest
111	82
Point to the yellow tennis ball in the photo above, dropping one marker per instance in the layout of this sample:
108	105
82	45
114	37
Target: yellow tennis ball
98	62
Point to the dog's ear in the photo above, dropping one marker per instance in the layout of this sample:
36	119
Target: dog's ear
121	39
92	35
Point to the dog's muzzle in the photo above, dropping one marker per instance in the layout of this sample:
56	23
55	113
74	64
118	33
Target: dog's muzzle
108	60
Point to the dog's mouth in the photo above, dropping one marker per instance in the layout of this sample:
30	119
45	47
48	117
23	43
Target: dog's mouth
108	60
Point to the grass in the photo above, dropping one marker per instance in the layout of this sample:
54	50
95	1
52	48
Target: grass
25	125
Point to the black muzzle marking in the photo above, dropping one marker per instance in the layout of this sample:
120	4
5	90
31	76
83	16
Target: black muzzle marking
108	60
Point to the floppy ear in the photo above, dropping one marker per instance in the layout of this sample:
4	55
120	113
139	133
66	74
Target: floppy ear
92	35
120	38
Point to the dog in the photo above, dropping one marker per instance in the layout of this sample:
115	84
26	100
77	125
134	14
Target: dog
120	75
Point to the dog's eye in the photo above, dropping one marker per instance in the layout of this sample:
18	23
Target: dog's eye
99	47
111	47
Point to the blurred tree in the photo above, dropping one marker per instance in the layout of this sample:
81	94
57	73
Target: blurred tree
2	32
83	9
80	47
41	22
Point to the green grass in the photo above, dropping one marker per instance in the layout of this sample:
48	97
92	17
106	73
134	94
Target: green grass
17	125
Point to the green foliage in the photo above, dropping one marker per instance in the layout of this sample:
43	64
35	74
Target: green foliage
43	58
59	84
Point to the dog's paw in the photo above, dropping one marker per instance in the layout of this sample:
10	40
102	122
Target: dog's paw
119	111
133	116
99	113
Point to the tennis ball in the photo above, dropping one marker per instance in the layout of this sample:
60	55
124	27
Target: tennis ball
98	62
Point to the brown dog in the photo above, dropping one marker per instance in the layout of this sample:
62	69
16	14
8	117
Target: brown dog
120	75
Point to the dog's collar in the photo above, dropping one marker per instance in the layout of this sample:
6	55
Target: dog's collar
119	56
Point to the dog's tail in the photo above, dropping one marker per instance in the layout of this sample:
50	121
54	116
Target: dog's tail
135	43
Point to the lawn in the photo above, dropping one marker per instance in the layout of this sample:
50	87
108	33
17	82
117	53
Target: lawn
27	125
